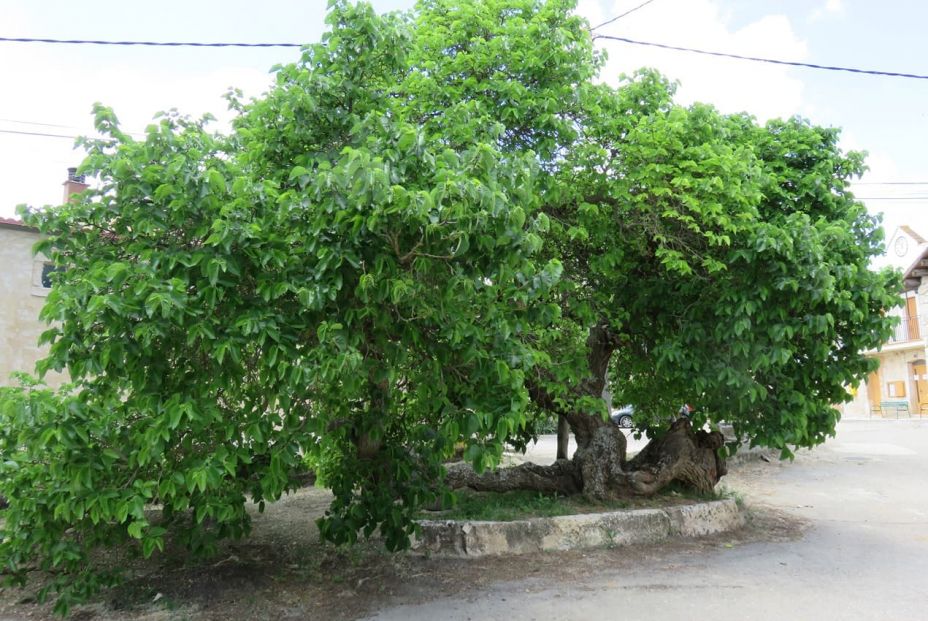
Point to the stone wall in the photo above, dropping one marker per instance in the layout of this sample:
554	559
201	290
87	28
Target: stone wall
21	298
473	538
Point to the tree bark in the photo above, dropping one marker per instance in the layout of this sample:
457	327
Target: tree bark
560	477
599	468
682	454
600	471
563	437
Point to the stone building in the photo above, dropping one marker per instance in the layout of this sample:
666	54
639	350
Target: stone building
24	284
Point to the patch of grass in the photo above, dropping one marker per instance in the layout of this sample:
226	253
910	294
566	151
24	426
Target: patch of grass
505	507
679	490
523	505
726	492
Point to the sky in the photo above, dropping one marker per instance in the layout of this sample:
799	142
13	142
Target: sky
50	89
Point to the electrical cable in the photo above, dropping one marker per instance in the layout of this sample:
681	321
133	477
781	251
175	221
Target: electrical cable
891	198
13	131
628	12
890	183
143	43
35	123
676	48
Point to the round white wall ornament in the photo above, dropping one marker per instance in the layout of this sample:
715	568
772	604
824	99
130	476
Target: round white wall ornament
901	246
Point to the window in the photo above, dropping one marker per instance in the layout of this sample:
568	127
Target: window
43	276
895	389
47	270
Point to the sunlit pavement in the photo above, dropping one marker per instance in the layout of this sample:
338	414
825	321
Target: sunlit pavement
864	554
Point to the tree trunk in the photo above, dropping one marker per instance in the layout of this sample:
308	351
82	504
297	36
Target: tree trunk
563	437
599	468
601	462
600	471
682	454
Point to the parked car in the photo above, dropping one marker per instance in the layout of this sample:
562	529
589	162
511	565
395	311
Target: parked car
623	416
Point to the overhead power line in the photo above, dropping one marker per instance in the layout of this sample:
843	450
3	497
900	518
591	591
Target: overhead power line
618	17
890	183
35	123
676	48
892	198
143	43
791	63
13	131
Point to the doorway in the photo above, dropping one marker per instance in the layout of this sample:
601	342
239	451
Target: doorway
874	394
911	320
920	380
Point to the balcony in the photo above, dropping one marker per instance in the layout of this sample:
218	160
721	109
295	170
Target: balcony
906	331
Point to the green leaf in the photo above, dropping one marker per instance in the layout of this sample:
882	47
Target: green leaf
216	181
436	231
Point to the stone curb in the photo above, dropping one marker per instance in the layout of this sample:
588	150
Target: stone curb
571	532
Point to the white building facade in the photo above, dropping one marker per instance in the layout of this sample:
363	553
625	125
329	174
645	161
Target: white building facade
899	387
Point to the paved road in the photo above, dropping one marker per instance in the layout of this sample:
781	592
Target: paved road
863	556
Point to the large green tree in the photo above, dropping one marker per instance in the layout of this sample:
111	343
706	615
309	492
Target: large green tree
436	229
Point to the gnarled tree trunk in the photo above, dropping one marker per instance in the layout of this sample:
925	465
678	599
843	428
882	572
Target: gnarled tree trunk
563	437
683	454
599	468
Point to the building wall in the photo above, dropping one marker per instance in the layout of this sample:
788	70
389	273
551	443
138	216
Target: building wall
921	295
21	299
894	367
859	407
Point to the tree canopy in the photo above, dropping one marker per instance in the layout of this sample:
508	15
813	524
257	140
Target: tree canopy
435	228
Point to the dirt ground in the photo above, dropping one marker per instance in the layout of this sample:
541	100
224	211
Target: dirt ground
283	571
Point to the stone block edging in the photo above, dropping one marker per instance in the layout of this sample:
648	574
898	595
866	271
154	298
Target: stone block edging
569	532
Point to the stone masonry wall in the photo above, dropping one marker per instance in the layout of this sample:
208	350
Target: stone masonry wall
21	299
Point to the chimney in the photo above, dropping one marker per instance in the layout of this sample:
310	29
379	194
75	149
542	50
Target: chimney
74	185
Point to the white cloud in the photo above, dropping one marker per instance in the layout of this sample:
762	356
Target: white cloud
897	205
764	90
592	10
34	167
831	7
51	84
51	89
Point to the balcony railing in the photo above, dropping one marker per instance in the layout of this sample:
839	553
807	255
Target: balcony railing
907	330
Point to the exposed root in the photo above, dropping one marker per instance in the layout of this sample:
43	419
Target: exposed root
600	471
682	454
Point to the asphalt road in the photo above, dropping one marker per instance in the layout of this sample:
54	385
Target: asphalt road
864	554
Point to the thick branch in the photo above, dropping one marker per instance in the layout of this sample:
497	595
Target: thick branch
561	477
601	343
